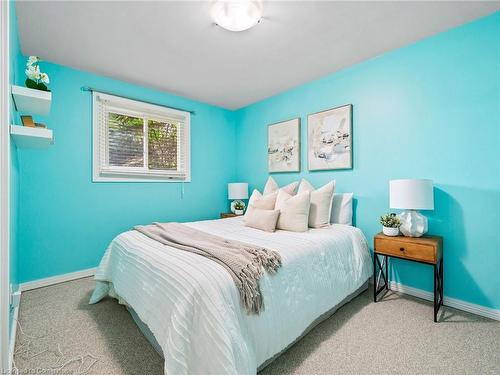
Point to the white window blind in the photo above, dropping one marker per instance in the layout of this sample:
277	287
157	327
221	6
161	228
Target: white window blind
136	141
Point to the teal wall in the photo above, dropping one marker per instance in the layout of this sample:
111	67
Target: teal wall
66	221
429	110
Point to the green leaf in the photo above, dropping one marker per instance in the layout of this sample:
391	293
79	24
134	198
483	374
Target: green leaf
31	84
41	86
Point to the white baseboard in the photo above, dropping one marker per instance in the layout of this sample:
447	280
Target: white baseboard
12	338
56	279
447	301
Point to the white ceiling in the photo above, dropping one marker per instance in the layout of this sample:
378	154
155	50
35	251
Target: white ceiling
175	47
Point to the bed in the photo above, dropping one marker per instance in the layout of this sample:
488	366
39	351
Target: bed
189	307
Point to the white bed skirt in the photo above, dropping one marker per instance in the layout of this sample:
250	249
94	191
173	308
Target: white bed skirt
152	340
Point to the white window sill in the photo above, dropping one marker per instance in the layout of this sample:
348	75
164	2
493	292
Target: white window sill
116	177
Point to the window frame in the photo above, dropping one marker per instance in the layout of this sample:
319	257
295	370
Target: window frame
129	107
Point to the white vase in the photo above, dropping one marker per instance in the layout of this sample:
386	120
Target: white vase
238	212
413	223
393	232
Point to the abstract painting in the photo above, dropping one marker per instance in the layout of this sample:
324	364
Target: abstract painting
283	146
329	139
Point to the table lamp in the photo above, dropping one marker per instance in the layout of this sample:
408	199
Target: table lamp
237	191
412	195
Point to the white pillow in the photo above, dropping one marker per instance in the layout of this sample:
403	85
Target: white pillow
271	186
262	219
321	203
264	202
342	209
294	211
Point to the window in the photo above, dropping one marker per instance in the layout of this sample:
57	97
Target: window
136	141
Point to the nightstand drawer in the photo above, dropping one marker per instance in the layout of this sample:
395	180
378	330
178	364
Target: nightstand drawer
405	249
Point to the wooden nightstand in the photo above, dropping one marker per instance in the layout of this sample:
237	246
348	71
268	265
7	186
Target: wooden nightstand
426	250
225	215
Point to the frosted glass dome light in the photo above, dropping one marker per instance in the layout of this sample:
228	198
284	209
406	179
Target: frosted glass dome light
237	15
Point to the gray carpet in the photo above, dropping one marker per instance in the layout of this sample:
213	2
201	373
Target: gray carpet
395	336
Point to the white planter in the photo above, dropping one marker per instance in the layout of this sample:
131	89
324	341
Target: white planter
393	232
238	212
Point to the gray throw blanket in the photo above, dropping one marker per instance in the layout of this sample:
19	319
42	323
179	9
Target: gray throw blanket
244	262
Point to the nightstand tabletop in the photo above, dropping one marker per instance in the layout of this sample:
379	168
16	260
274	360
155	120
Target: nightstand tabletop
225	215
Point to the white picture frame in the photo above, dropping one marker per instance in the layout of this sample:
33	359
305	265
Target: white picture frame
283	146
329	139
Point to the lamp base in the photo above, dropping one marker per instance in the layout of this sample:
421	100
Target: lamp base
413	223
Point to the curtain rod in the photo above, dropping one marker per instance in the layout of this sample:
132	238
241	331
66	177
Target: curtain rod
86	88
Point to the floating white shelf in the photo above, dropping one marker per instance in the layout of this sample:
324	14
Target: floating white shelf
30	101
26	137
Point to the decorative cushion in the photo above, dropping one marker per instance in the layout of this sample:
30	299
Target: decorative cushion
262	219
271	186
342	209
294	211
264	202
321	203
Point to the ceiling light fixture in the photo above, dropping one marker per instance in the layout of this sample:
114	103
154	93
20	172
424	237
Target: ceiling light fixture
237	15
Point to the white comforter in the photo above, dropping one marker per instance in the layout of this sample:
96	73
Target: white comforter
192	306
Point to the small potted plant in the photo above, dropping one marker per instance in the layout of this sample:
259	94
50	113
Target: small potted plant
36	79
239	207
391	224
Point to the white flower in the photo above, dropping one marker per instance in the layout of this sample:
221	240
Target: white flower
32	60
44	77
33	72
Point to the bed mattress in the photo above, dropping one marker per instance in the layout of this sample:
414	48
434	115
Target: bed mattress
192	307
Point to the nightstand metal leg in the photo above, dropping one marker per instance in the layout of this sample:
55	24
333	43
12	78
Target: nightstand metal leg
381	270
438	287
442	280
386	272
435	292
377	274
374	277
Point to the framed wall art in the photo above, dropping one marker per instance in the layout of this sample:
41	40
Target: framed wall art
283	146
329	139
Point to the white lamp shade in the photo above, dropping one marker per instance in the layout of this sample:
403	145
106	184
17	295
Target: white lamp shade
411	194
237	190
